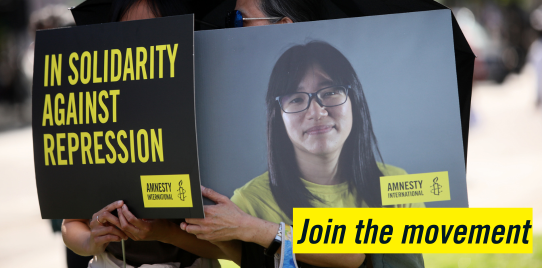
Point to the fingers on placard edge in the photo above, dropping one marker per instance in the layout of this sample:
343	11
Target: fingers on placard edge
128	215
94	219
126	225
133	220
208	209
214	196
194	229
108	217
123	222
114	205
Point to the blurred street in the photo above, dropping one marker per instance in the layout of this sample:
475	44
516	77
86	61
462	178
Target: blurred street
505	155
27	240
505	146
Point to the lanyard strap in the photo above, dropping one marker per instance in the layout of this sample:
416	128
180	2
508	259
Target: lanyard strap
287	258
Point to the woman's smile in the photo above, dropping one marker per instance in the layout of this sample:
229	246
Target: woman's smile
319	129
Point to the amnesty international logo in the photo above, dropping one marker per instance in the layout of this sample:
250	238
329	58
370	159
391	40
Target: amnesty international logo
166	191
181	191
436	187
415	188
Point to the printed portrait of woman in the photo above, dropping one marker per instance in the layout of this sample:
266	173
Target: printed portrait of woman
322	151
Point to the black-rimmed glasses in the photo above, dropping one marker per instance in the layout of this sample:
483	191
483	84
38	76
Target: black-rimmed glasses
235	19
325	97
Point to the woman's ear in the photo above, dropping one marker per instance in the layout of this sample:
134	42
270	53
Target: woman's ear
285	20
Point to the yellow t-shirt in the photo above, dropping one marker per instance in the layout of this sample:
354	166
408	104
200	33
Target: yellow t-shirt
256	199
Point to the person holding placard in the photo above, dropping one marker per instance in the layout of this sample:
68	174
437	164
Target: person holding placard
157	242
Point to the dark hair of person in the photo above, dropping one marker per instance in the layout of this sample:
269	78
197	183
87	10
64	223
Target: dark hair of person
357	163
296	10
159	8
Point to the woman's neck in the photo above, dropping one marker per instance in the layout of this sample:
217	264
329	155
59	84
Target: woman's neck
319	169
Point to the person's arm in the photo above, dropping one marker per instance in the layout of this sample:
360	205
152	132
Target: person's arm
168	232
225	221
332	260
232	249
263	232
90	237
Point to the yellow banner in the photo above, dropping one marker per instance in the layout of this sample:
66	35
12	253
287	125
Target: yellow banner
413	230
415	188
166	191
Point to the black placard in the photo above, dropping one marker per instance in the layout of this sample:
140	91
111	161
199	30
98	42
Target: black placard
155	102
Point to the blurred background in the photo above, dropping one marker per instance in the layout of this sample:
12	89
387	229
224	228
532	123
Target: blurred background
504	167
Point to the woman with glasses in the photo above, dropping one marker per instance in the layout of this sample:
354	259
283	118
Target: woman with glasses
322	152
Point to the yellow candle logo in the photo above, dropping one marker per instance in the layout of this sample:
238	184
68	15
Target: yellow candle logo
181	191
436	187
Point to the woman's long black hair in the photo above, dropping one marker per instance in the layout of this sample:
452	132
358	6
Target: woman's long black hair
159	8
357	163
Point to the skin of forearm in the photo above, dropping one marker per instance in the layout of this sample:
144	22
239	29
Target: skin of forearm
192	244
76	235
232	249
263	232
258	231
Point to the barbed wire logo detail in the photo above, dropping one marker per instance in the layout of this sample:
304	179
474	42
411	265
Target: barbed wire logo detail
182	191
436	187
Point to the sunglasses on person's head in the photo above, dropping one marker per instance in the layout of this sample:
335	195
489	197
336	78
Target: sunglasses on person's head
235	19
